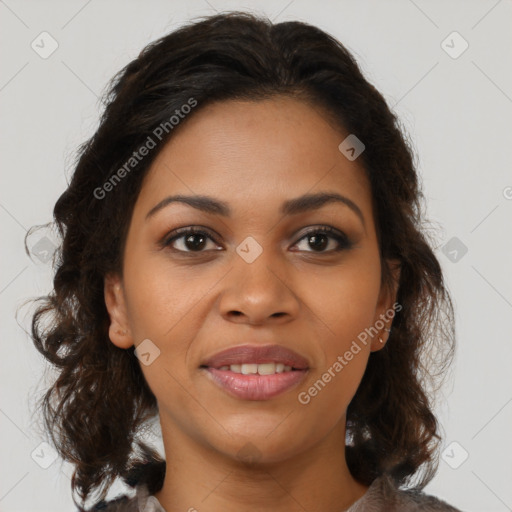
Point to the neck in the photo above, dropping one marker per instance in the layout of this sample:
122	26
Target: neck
201	478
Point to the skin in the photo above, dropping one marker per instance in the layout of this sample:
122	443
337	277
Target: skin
254	156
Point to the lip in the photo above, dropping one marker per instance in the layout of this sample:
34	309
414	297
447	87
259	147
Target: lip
255	387
256	354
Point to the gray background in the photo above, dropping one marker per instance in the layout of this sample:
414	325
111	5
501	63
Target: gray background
456	110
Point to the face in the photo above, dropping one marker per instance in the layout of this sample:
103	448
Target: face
262	272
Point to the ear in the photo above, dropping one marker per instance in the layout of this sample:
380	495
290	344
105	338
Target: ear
119	330
386	306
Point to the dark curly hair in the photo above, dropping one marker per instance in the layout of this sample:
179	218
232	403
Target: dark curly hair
100	401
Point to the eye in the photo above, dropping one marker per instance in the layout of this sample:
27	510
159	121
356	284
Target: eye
189	240
195	240
319	238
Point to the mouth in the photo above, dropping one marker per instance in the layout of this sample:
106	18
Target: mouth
254	386
261	355
270	368
256	372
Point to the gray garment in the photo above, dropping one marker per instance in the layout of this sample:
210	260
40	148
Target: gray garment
381	496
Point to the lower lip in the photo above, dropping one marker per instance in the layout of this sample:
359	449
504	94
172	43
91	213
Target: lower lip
256	387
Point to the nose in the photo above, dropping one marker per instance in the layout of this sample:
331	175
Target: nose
259	292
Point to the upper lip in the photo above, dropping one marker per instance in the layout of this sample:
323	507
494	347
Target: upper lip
257	354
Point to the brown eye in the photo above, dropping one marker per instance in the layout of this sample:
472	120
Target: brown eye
189	240
319	239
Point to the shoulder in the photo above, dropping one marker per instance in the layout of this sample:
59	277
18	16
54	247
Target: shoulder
140	502
381	495
418	500
384	495
122	503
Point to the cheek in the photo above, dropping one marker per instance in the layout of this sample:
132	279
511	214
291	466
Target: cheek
161	308
346	304
345	311
346	300
159	297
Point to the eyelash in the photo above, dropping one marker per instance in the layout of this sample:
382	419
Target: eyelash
342	239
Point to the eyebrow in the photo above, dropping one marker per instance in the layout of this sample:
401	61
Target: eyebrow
294	206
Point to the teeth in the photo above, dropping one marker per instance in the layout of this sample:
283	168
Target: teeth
260	369
248	369
267	368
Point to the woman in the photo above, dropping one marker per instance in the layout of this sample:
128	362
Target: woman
247	217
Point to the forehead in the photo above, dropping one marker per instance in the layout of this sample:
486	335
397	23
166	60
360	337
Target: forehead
243	150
